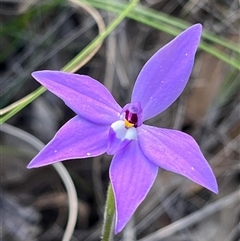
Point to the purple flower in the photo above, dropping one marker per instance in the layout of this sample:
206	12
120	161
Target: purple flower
101	125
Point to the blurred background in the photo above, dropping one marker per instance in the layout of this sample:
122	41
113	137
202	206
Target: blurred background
47	34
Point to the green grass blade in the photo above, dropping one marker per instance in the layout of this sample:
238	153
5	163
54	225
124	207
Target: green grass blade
74	62
153	15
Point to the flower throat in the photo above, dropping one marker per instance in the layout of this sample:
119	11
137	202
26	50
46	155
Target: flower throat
131	119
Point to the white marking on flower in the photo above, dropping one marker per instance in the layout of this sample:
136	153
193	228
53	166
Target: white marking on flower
119	129
88	154
122	132
131	133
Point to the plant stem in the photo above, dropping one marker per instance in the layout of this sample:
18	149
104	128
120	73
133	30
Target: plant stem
109	214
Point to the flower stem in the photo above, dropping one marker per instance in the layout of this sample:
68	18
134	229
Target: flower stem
109	214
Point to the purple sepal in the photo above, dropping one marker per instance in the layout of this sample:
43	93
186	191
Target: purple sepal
177	152
76	139
165	75
132	176
83	94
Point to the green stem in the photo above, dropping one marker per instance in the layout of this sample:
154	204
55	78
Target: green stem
74	62
109	214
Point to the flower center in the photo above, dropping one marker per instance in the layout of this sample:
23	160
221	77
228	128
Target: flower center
131	119
124	130
132	114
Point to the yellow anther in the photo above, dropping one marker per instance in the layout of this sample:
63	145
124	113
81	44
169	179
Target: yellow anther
128	124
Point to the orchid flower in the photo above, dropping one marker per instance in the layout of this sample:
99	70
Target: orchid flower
138	150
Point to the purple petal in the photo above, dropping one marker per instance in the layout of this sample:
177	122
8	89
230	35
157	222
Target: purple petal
78	138
84	95
177	152
165	75
132	176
